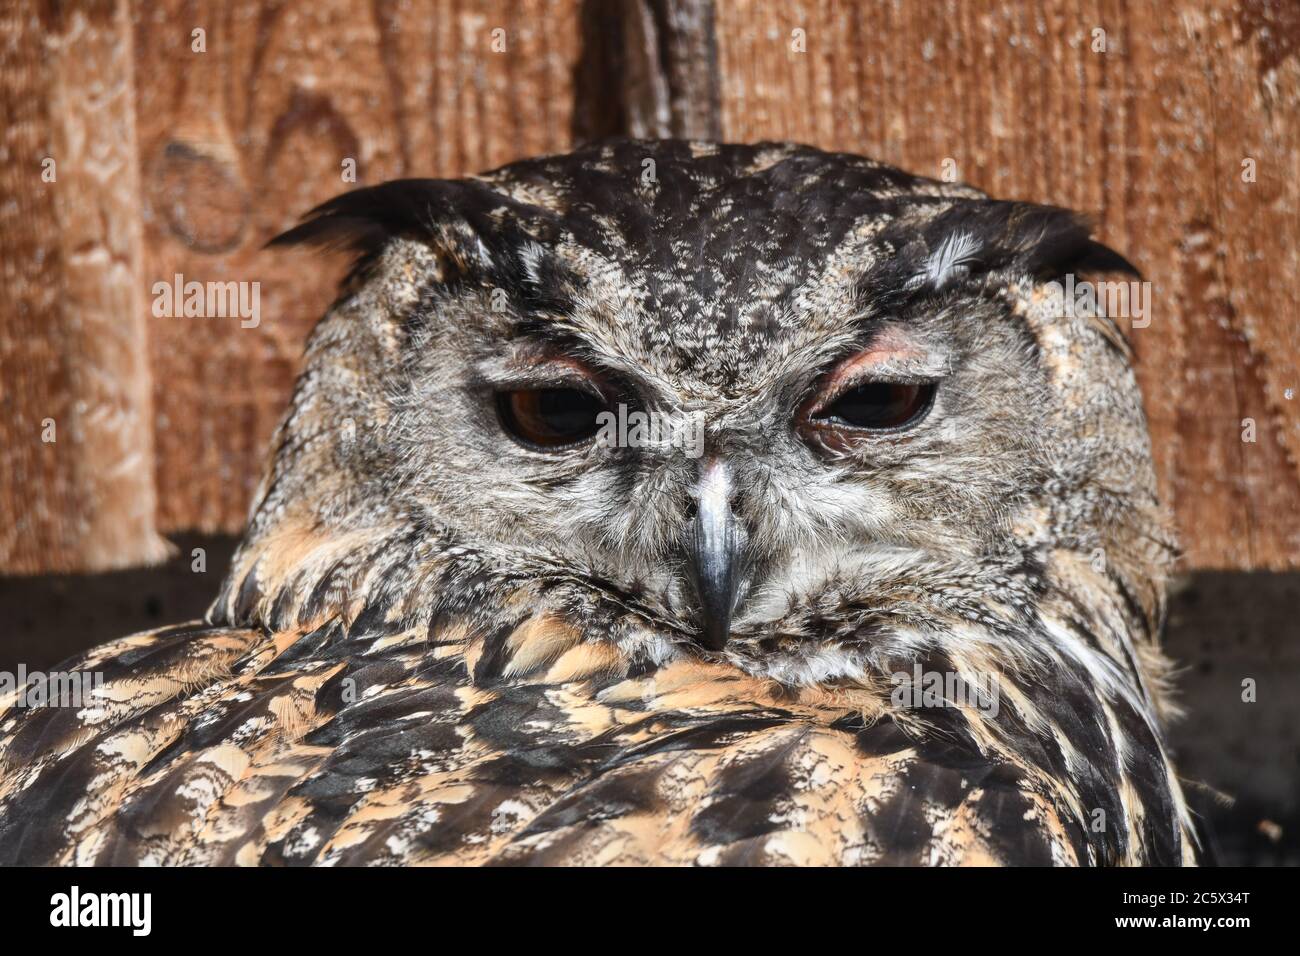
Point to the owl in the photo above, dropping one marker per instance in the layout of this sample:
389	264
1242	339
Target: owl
663	503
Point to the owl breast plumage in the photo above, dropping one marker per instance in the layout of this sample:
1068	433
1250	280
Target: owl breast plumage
880	581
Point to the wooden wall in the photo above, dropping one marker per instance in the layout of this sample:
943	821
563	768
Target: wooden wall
173	161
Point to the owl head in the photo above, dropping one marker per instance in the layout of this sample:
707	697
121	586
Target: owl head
792	408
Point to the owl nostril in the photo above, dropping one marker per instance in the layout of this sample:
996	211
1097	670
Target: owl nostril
692	509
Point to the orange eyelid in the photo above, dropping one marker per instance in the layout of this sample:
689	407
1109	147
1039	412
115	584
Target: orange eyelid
887	349
545	357
574	368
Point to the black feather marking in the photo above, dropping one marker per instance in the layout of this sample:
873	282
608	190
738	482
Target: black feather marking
1003	807
627	791
747	795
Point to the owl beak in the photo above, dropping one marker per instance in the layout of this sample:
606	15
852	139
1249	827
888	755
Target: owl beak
716	554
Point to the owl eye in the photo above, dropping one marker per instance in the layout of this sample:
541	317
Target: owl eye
550	418
879	406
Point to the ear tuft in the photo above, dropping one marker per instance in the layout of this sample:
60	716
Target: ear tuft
976	237
1049	242
364	220
477	231
1045	241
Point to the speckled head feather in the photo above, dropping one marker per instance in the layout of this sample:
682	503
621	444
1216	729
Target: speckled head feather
438	643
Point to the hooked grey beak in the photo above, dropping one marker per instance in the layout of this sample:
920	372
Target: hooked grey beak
717	553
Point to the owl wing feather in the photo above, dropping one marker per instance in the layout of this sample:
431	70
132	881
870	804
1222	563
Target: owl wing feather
221	745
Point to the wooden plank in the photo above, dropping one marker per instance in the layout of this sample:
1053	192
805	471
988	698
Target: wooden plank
238	141
649	69
1149	136
73	354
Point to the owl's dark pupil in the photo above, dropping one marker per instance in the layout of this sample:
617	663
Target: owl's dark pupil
880	405
550	417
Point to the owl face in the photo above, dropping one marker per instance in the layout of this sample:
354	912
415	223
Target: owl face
757	385
907	433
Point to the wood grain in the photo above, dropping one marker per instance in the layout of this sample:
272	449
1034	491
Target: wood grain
72	322
1149	137
649	70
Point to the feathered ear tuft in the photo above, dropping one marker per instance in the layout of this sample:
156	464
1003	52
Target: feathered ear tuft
1044	241
982	236
987	234
365	219
1048	242
477	232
